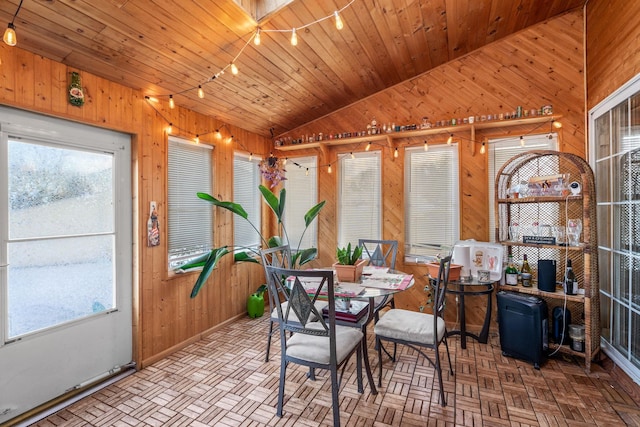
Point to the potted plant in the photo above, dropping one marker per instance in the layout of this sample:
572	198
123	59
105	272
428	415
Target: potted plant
349	265
434	267
209	261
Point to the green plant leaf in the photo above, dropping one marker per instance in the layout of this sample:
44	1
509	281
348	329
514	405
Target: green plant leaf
304	256
212	260
272	201
313	213
244	257
233	207
275	241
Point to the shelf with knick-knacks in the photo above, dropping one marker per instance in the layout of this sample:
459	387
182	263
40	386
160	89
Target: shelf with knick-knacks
389	137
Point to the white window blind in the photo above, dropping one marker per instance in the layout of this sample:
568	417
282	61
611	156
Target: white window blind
432	199
246	179
302	195
359	207
190	219
501	150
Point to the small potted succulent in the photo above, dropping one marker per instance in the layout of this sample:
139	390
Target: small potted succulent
349	265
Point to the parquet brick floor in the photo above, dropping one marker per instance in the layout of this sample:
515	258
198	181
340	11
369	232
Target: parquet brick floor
223	380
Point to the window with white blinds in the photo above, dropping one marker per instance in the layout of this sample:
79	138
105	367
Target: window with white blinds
359	196
302	194
501	150
190	219
246	179
432	214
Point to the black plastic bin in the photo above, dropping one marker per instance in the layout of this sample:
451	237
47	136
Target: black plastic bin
523	326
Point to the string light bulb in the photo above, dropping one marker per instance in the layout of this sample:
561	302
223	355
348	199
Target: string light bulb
172	103
294	38
170	128
556	124
450	139
339	24
250	156
329	169
10	35
218	135
284	162
306	173
395	153
368	147
426	146
234	69
200	92
352	155
522	141
483	149
228	141
197	139
256	39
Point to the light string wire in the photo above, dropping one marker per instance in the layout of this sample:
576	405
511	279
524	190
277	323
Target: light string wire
252	37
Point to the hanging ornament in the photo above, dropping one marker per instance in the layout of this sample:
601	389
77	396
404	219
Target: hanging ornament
76	94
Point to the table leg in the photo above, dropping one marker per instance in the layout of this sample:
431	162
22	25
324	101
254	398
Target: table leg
484	332
367	365
463	322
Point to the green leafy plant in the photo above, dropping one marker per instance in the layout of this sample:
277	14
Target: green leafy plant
243	254
346	256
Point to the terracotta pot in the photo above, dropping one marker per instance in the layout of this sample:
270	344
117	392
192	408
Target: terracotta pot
349	273
454	271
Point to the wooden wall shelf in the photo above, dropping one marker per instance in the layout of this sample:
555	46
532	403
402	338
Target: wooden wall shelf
442	130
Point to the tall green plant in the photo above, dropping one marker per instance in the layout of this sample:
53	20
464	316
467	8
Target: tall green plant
209	261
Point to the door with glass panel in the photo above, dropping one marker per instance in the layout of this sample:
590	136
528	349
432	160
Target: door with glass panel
65	280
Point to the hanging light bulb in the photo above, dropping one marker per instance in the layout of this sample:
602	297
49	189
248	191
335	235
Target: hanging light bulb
483	149
352	156
426	146
307	172
250	156
329	169
294	38
218	134
200	92
229	140
170	128
234	69
256	39
368	147
556	124
395	153
10	35
197	140
284	162
450	139
172	104
339	24
522	141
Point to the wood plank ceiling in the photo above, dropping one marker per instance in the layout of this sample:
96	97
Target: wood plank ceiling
167	47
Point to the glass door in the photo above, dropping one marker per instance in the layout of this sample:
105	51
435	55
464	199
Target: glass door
65	233
615	158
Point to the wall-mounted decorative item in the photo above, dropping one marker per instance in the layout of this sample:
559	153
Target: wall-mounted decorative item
153	226
76	94
272	170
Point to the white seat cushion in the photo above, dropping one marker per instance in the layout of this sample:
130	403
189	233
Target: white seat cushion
316	349
409	326
319	306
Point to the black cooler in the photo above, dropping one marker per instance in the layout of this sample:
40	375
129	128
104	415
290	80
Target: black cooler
522	322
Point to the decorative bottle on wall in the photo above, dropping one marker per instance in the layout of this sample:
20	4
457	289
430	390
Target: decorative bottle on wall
76	94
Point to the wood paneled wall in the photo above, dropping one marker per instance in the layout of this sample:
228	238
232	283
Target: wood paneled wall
164	315
535	67
538	66
612	45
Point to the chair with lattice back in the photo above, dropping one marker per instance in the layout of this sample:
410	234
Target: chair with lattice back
317	344
419	330
278	256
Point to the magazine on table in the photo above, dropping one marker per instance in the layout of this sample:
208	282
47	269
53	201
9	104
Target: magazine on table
388	281
355	311
340	290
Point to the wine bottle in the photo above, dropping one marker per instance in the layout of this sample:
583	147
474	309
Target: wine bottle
525	272
570	280
511	273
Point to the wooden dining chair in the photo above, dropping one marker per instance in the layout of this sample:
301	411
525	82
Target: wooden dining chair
318	345
419	330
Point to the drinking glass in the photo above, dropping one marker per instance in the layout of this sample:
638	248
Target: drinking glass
560	233
574	228
514	233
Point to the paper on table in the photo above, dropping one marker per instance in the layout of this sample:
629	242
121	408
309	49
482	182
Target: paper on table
388	281
341	290
372	270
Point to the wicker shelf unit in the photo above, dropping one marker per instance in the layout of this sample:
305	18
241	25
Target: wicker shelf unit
555	210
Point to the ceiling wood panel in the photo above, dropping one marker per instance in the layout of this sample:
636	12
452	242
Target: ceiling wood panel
165	47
